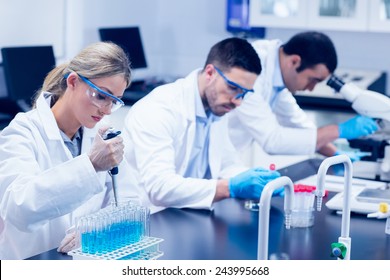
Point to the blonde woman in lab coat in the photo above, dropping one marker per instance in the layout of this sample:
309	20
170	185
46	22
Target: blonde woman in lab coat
176	137
271	116
53	159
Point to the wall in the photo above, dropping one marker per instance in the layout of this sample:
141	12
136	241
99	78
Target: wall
187	31
177	34
38	22
197	24
29	23
85	17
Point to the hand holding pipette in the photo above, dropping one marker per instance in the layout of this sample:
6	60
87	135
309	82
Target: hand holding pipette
109	134
106	154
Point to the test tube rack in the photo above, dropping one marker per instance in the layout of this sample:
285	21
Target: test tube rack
117	232
146	249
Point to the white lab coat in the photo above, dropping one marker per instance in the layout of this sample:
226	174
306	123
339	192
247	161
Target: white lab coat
159	135
42	187
273	128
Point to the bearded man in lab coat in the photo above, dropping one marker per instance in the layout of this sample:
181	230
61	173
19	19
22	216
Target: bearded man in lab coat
271	116
176	138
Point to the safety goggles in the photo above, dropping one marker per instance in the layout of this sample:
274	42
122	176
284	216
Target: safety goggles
234	88
101	98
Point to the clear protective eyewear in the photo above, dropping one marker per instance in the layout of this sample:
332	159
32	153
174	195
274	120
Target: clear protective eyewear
234	87
101	98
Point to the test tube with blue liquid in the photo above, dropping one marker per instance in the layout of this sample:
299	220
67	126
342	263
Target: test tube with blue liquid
113	227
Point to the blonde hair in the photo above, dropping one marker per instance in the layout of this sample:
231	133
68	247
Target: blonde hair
98	60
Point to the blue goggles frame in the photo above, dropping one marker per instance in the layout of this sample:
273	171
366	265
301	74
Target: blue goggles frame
95	87
117	101
233	84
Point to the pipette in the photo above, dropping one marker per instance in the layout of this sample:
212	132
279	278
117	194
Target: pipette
109	134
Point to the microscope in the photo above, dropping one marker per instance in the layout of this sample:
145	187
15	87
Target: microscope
375	105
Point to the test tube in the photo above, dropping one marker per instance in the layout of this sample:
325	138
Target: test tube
82	230
113	227
302	213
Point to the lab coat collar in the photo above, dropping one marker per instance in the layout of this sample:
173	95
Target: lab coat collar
50	124
191	86
47	117
277	81
200	111
199	108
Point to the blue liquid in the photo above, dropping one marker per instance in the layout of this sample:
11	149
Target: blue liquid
117	236
84	242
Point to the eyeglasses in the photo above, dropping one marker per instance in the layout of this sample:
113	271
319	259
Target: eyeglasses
234	87
101	98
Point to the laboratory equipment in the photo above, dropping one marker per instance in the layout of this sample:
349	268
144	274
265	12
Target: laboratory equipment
375	105
364	102
302	214
339	250
264	209
344	239
252	205
383	213
361	207
116	232
336	184
374	195
323	96
111	133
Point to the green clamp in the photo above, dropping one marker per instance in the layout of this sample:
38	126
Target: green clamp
338	250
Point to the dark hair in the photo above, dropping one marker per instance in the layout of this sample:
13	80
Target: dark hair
313	48
234	52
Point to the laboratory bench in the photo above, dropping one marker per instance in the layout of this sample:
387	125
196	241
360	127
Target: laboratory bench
230	231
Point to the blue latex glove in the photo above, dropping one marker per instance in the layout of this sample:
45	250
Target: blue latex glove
250	184
357	127
353	155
